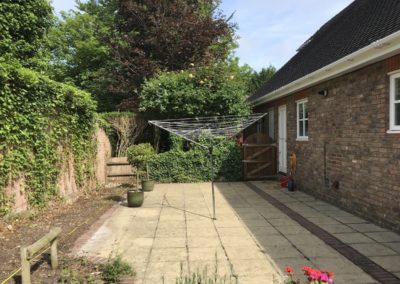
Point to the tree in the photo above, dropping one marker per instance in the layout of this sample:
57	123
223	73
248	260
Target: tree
150	36
201	91
126	128
109	47
259	78
79	57
23	25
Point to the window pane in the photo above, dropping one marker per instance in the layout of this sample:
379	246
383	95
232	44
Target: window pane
305	110
397	114
397	89
306	128
301	128
301	110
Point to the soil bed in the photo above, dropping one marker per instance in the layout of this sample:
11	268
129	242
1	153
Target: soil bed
74	219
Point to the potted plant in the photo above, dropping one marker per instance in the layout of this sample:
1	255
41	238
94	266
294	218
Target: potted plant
139	155
135	197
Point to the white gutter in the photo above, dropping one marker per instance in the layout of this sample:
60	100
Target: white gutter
376	51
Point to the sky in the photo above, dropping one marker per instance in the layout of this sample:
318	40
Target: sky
269	31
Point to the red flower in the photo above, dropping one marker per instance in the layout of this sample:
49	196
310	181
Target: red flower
289	270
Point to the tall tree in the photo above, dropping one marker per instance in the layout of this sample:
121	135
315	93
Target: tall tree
149	36
79	57
259	78
23	25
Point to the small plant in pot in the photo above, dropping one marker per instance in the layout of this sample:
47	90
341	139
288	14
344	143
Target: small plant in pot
135	197
139	155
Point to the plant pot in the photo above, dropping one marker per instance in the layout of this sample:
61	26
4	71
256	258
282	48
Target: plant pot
291	185
147	185
135	198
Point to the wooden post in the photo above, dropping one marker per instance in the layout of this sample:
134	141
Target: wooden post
27	253
25	267
53	254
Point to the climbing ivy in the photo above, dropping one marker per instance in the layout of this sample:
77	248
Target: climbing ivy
43	122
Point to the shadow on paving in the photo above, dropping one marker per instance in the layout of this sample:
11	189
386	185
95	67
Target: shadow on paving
288	243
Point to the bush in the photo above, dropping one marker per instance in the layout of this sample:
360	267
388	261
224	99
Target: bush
115	269
203	91
139	155
194	165
39	117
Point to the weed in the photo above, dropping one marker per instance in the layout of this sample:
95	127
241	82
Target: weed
204	277
115	269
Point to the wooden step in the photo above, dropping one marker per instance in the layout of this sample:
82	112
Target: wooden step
121	175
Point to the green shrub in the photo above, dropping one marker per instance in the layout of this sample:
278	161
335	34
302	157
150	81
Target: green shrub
194	165
139	155
115	269
201	91
39	117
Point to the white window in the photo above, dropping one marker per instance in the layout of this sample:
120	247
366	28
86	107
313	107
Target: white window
302	120
395	102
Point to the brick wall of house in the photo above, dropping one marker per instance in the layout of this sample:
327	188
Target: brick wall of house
348	143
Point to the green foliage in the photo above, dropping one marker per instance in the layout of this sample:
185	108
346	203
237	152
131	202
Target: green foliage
23	24
40	119
115	269
106	49
79	57
176	142
194	165
139	155
259	78
202	91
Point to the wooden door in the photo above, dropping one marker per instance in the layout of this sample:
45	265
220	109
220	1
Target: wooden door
259	157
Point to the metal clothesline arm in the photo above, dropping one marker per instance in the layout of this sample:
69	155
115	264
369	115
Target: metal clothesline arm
190	126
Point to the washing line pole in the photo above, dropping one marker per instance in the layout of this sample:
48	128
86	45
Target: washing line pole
212	179
191	128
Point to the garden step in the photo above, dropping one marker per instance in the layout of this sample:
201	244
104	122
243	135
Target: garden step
118	160
119	170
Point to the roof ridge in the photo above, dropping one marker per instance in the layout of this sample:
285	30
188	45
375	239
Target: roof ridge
358	25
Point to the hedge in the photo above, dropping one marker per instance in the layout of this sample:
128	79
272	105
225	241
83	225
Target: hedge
39	117
193	165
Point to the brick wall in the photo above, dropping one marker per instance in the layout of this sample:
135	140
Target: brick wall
348	143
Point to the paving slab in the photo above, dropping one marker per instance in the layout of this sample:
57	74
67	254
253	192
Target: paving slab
174	233
384	236
374	249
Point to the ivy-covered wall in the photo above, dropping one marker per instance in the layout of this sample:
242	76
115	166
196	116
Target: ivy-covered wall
42	122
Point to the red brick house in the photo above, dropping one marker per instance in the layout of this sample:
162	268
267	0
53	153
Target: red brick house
336	105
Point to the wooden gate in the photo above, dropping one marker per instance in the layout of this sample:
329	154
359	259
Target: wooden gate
259	157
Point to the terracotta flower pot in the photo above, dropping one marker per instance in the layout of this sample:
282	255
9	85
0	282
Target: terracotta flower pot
135	198
147	185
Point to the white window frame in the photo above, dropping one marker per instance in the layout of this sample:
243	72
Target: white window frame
392	127
298	104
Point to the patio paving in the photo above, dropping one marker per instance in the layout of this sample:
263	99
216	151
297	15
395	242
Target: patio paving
173	232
